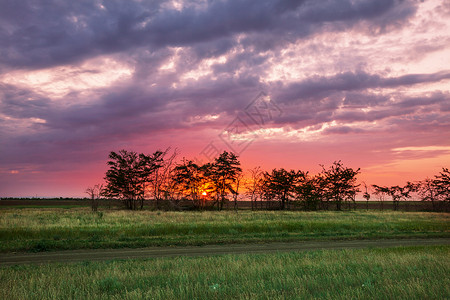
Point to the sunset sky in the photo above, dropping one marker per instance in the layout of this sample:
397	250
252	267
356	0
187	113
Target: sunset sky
366	82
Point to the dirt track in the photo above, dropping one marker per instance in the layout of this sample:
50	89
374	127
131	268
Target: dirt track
155	252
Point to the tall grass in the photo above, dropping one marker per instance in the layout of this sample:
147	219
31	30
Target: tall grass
392	273
51	228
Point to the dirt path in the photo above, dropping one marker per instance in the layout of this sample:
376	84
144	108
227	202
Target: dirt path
154	252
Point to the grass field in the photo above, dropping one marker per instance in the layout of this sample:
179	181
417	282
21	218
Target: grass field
391	273
43	229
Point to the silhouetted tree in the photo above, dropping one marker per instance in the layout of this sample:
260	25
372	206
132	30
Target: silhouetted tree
428	192
160	185
190	179
235	189
95	193
442	185
397	193
129	175
339	183
366	195
254	185
280	185
308	191
381	192
436	190
223	173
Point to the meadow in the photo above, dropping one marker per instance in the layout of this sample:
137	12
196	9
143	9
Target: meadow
46	229
390	273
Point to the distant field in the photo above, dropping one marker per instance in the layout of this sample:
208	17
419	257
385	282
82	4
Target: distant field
246	205
44	229
44	206
391	273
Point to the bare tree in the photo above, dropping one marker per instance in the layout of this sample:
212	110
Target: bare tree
234	188
161	186
95	193
254	185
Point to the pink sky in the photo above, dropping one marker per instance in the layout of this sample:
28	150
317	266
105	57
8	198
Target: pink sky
365	82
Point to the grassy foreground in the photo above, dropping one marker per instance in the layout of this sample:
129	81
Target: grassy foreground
391	273
43	229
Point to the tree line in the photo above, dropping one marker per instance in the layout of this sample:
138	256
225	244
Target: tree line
135	177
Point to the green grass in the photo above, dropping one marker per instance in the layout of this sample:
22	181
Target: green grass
391	273
46	229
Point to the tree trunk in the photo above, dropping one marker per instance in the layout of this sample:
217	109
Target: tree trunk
395	205
94	203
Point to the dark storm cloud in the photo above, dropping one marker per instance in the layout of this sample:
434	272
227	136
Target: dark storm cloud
37	34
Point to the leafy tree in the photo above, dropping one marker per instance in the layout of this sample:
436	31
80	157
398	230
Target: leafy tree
442	185
397	193
320	190
223	173
190	179
308	191
427	191
129	175
381	192
280	185
339	183
436	190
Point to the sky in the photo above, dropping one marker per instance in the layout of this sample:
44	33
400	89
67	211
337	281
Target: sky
292	84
